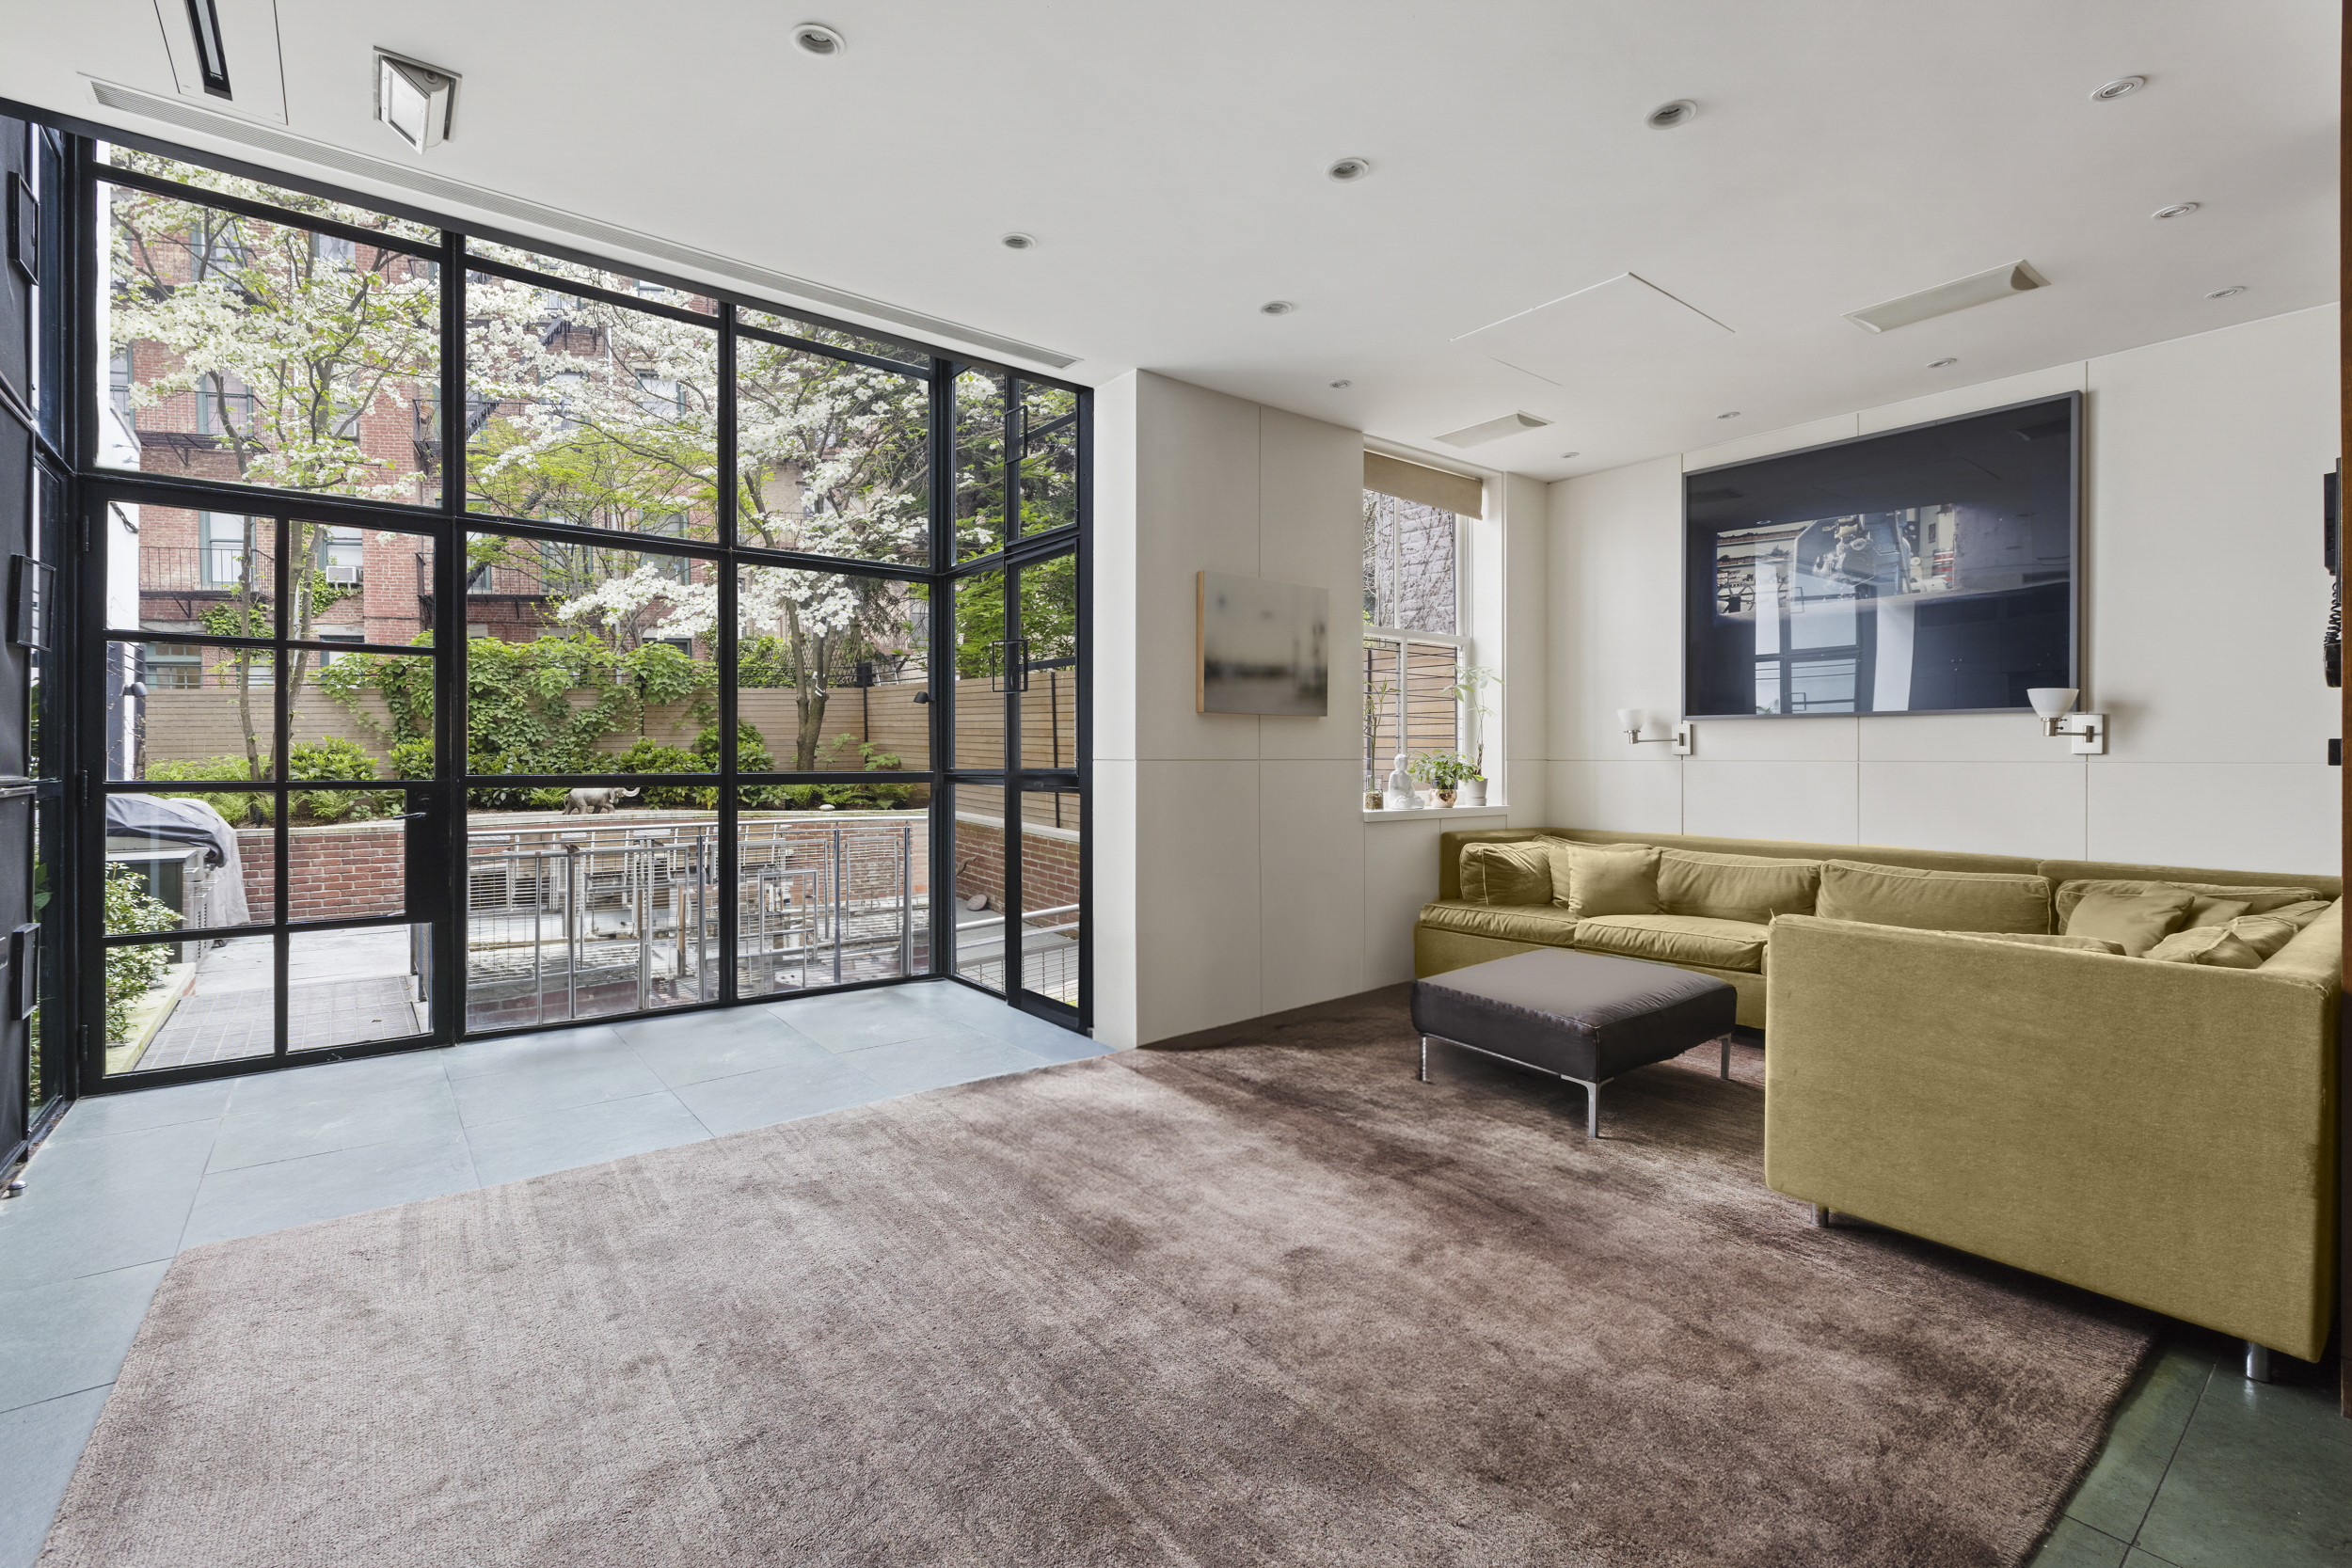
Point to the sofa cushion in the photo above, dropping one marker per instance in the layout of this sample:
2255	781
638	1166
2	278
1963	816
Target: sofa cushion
2139	919
2246	942
1604	879
2045	939
1536	922
2212	912
2303	914
1511	874
1933	900
1676	939
2258	900
1752	888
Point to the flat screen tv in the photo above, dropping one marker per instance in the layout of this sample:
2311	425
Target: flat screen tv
1925	570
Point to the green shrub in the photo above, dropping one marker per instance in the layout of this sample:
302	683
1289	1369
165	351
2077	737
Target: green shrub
332	757
651	756
750	749
132	972
413	759
241	809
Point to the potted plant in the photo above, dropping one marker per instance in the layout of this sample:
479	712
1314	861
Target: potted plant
1444	771
1374	697
1472	788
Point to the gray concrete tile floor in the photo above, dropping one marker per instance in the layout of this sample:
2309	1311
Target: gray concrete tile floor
2200	1469
127	1181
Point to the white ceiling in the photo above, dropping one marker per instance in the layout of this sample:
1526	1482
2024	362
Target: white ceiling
1169	159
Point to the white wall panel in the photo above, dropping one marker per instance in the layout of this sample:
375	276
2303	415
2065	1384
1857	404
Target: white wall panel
1817	800
1196	509
1311	882
1958	737
1400	860
1201	944
2230	817
1993	808
1631	796
1817	737
1311	530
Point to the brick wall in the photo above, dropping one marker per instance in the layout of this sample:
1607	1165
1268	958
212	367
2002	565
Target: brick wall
340	873
1049	861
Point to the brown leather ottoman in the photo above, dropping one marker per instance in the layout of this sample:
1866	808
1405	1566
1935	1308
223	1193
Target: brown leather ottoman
1579	1016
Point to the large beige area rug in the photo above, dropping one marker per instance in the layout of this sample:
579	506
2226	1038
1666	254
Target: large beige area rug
1275	1303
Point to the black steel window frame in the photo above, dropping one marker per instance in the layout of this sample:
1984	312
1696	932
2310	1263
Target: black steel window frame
82	624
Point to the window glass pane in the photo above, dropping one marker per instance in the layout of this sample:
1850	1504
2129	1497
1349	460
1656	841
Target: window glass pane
1379	559
980	653
1051	827
832	673
979	902
1049	458
1425	540
1048	664
587	659
832	458
360	585
199	573
595	277
185	1003
1383	681
347	853
589	413
343	987
264	353
834	337
199	859
1432	713
830	897
979	462
274	195
588	916
209	713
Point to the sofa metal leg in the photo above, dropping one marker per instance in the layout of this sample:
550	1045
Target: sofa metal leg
2257	1362
1424	1058
1820	1215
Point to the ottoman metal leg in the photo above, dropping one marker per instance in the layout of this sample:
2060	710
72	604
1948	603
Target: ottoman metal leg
1727	1063
1424	1058
1592	1104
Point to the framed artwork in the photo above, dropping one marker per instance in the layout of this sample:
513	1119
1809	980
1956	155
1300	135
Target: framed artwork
1261	647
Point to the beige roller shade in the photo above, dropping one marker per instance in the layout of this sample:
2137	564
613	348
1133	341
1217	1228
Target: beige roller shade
1448	492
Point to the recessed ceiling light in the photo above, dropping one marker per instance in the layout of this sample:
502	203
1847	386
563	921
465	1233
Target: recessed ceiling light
2229	293
1733	414
1349	168
1337	385
1276	307
1941	364
1016	241
1668	116
815	38
2117	89
2178	210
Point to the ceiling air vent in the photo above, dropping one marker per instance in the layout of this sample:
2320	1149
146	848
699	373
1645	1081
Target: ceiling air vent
1493	430
1981	288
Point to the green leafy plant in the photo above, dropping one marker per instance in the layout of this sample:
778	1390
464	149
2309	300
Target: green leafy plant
332	757
1465	690
240	808
1443	769
651	756
132	972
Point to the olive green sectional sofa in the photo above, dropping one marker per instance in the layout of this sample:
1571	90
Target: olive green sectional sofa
1962	1069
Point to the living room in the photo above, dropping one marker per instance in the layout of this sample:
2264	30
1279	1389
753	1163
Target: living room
1414	793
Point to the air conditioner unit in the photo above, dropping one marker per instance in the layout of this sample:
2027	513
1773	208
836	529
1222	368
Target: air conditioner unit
344	574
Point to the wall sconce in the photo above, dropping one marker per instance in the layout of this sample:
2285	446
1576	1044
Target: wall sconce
2089	730
1630	720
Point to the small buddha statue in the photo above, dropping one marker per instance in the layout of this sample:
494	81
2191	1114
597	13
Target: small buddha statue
1399	795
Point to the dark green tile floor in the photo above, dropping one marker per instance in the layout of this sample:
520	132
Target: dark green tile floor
2204	1469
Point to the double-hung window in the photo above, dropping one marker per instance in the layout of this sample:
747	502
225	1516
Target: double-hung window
1418	646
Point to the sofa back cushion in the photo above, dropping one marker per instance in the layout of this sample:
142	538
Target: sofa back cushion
2258	900
2137	918
2062	872
2215	911
2039	939
1933	900
1752	888
2246	942
1604	879
1506	873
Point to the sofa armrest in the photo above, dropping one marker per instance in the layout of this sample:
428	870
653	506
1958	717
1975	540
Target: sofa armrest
2159	1133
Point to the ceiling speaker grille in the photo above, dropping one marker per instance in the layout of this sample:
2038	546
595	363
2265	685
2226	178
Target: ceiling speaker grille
612	236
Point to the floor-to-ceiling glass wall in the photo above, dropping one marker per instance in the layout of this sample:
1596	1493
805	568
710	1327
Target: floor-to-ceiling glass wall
481	638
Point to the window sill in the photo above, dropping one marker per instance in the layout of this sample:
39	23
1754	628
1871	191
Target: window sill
1424	814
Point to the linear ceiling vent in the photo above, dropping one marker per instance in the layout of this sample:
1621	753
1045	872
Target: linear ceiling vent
1981	288
1493	430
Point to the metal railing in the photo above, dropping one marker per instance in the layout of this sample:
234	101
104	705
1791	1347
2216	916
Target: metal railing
566	922
197	568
